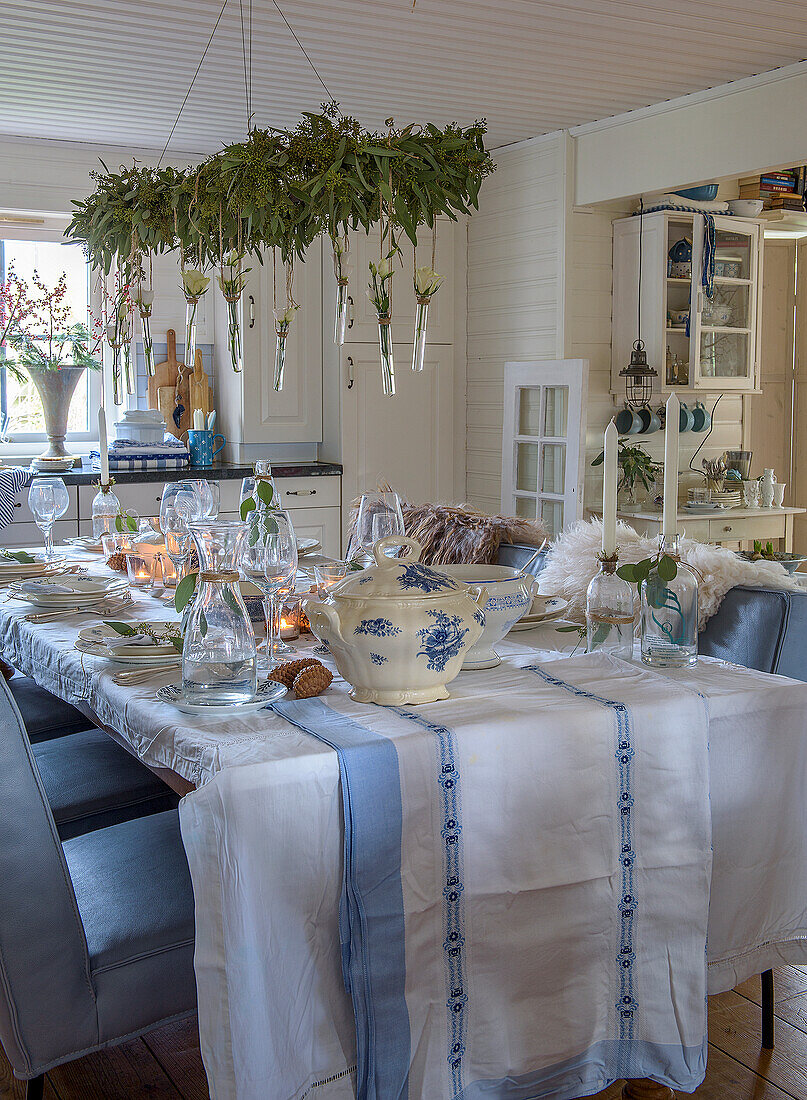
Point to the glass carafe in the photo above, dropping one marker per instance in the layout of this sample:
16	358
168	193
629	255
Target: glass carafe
219	665
669	611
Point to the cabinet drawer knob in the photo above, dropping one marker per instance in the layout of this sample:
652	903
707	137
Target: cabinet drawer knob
727	527
301	492
18	504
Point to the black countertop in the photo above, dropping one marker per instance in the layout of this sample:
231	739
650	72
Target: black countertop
221	471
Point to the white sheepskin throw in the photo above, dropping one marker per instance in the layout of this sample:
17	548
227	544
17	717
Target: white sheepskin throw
572	562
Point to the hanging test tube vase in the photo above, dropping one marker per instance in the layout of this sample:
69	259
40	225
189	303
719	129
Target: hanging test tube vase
280	360
234	334
419	344
340	319
128	367
385	349
148	343
191	308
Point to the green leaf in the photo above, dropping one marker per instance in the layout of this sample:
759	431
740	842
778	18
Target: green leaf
627	573
568	629
247	506
118	523
184	591
667	568
265	492
600	634
19	555
202	624
177	643
598	461
121	628
231	600
131	523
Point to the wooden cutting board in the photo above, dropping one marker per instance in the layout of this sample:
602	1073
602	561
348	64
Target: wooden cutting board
162	386
201	393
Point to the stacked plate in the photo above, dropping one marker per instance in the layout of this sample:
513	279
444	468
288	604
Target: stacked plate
307	546
86	542
543	610
94	640
68	591
12	570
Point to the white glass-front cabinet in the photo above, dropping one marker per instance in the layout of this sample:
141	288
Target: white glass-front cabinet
713	343
543	441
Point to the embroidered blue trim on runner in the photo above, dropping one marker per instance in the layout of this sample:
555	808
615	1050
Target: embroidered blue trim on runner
453	902
626	1004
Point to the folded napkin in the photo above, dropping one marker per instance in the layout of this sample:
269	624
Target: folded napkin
37	588
129	641
135	447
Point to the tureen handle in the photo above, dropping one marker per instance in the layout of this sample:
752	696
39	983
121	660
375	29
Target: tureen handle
390	543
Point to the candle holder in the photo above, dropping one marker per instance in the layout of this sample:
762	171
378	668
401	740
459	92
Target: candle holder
669	612
289	624
328	574
140	570
609	611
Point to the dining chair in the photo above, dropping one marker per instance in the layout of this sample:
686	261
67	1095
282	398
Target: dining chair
96	933
44	714
91	782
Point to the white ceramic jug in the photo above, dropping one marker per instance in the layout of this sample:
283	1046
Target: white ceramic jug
767	482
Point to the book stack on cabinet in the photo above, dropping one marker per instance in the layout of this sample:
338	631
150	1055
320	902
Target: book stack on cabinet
778	190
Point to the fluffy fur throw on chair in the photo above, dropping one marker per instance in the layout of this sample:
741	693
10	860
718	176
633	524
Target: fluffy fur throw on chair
453	535
572	562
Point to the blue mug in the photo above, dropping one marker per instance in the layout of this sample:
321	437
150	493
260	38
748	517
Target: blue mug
200	444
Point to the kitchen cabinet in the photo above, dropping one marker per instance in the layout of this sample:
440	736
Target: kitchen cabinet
252	416
733	528
717	341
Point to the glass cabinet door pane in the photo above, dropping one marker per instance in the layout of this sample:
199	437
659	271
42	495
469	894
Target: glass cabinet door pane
552	516
526	507
732	254
557	411
553	471
527	466
728	308
724	355
529	411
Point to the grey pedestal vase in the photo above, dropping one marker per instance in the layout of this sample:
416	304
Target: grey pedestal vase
56	389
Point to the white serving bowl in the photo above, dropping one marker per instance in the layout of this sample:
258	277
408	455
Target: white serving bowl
746	208
510	595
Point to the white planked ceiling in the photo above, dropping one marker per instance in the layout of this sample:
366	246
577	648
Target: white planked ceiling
116	71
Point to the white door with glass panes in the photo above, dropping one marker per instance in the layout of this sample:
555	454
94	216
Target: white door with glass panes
724	329
543	445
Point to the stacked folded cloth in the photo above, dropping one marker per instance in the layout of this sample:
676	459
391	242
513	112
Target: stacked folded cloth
124	454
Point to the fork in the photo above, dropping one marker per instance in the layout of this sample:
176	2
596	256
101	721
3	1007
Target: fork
140	674
111	608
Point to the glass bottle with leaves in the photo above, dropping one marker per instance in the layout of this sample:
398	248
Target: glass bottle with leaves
668	592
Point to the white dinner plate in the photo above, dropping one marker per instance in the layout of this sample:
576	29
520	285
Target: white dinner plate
83	591
555	607
86	542
707	509
307	546
268	692
91	640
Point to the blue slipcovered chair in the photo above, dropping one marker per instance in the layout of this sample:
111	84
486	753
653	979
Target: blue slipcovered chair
96	933
45	715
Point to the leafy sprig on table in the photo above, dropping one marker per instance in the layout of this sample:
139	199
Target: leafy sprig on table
161	637
22	556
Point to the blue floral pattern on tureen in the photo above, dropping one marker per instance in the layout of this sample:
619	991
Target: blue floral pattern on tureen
377	659
442	640
379	628
423	578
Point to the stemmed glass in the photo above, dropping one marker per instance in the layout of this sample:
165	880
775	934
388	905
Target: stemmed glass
208	493
378	511
180	505
48	500
270	561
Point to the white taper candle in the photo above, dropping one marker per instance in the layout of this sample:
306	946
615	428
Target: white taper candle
609	485
103	446
670	519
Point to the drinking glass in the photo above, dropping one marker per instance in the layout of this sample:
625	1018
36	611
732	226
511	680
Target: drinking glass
383	506
327	574
48	500
208	493
269	560
180	505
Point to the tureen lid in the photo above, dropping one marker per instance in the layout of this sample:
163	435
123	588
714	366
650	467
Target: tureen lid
402	578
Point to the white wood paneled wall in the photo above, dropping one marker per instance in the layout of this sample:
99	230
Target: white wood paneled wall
515	299
540	275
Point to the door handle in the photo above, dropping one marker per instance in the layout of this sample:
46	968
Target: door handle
350	378
301	492
251	312
349	311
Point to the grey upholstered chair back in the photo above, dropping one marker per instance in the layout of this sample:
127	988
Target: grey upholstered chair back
47	1003
517	554
762	628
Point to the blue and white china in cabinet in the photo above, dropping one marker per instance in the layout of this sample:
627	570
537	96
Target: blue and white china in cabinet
510	595
399	631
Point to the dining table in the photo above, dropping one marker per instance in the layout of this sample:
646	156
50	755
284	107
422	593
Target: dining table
525	890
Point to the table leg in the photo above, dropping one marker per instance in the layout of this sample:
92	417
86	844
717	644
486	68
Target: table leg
645	1089
788	534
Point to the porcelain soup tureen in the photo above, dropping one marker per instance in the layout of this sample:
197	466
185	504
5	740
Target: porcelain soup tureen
399	630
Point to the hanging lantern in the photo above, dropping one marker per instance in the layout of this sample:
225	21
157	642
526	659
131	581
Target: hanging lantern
638	378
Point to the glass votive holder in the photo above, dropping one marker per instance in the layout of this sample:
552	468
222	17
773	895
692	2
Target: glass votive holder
140	570
115	542
327	574
289	621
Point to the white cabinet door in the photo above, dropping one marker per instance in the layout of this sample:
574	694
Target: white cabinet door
543	442
23	531
251	414
319	523
406	440
362	323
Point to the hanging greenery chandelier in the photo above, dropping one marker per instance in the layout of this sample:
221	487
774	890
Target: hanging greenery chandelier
279	190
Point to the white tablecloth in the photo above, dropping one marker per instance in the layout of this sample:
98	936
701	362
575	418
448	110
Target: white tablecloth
266	912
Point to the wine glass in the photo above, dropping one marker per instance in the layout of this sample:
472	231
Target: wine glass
208	493
270	561
180	506
48	500
378	510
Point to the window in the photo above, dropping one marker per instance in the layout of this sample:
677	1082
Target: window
19	402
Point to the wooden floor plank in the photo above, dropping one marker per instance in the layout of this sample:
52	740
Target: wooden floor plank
794	1010
13	1089
176	1048
126	1072
734	1028
788	981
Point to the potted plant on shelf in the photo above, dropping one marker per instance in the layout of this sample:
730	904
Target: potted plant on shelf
636	468
48	350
